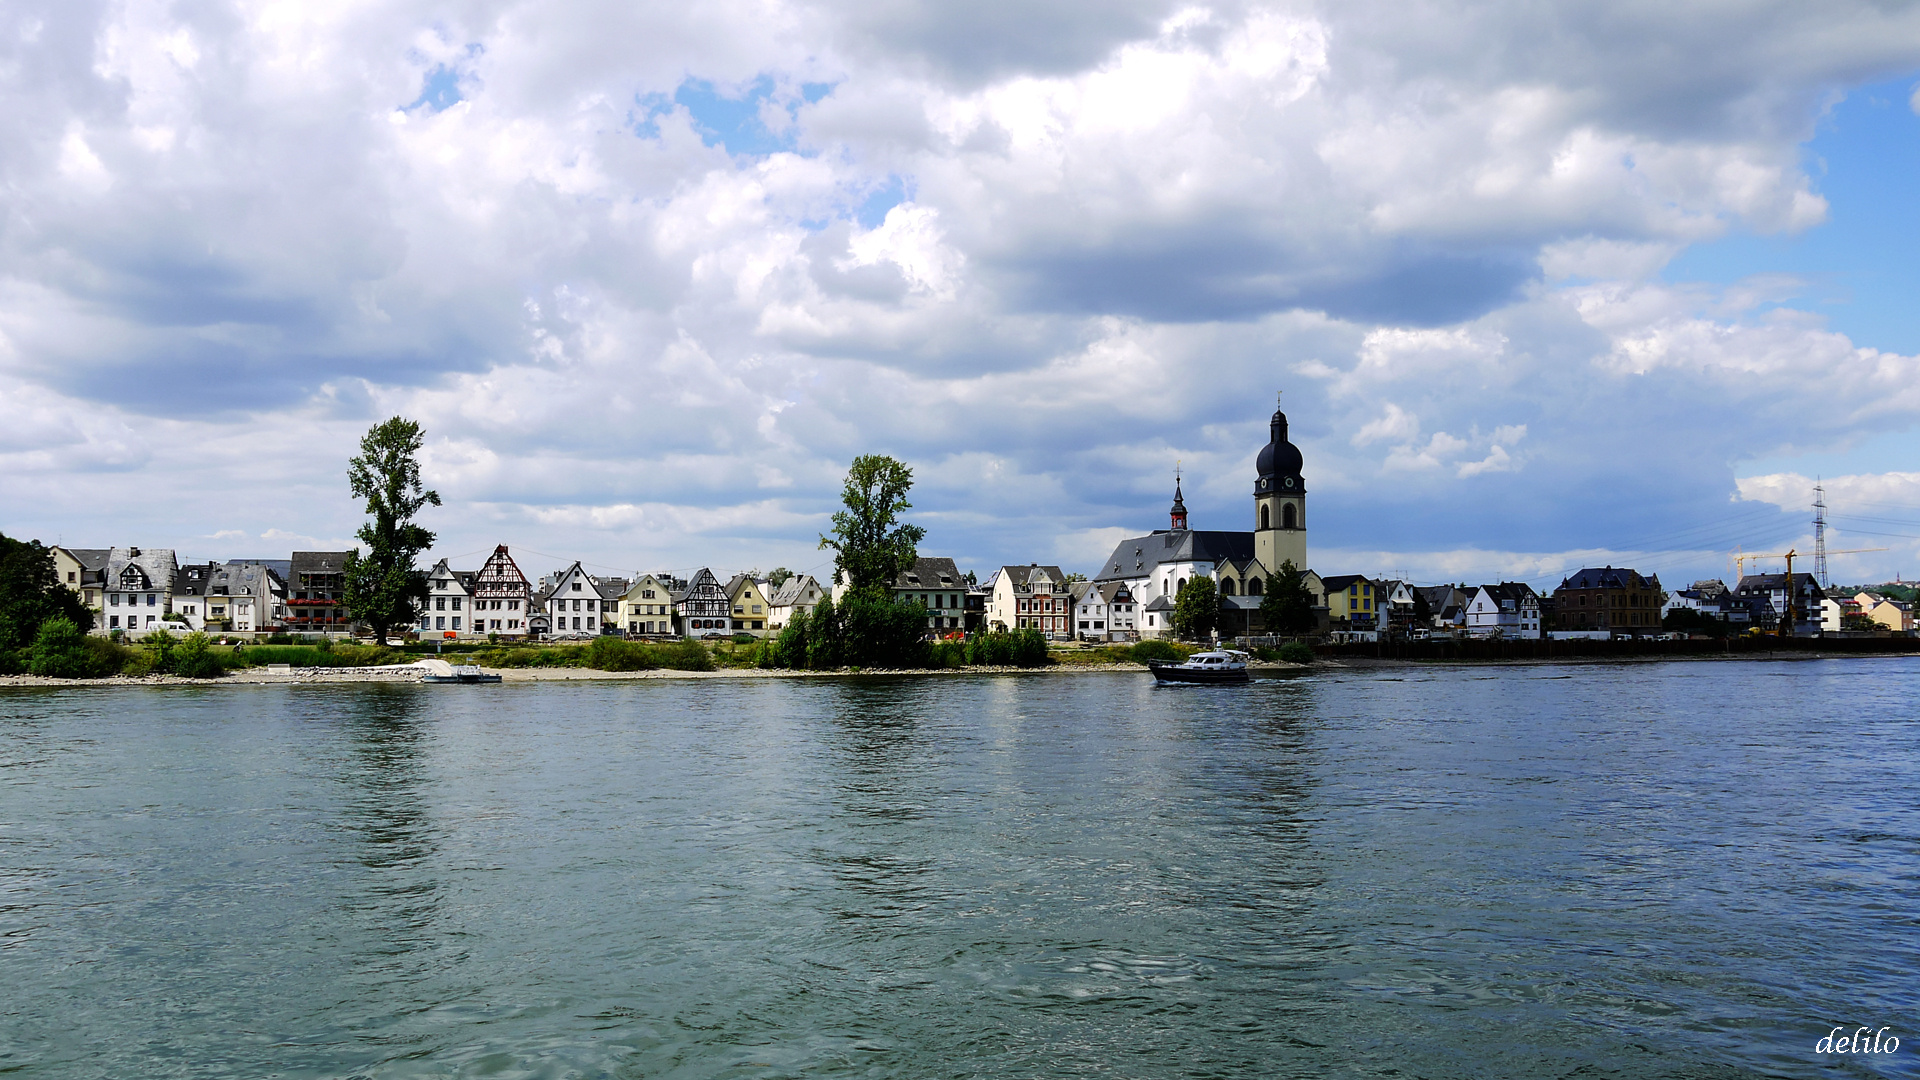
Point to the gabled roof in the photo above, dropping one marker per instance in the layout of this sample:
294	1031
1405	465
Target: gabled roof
794	590
1025	577
1339	582
1141	556
1516	591
153	567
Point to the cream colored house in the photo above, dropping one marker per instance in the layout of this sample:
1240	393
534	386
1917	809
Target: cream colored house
648	606
748	599
84	570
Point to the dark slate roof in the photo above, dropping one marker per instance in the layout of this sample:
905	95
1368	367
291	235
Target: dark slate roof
1609	577
90	558
1757	583
1141	555
1339	583
1111	589
935	573
1515	591
319	562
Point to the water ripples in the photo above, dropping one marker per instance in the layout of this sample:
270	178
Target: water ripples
1610	871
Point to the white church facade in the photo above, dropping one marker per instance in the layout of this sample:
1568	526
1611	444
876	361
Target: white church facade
1155	567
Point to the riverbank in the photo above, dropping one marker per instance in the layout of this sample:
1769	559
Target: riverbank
408	673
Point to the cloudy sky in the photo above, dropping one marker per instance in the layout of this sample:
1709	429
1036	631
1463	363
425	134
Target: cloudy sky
1544	285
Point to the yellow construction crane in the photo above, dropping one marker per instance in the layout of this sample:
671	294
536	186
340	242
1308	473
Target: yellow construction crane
1740	560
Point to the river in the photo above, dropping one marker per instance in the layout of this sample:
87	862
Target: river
1642	870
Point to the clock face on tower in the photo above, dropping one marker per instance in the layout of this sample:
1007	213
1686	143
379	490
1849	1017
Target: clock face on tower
1289	481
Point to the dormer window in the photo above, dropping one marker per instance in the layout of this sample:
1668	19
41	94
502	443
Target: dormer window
576	586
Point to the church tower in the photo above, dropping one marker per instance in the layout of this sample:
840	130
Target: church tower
1177	517
1280	502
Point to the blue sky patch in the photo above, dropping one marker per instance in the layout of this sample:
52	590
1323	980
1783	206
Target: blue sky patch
733	124
440	89
873	210
1858	267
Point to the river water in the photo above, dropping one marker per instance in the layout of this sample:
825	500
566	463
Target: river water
1658	870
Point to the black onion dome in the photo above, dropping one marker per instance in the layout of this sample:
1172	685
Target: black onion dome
1279	457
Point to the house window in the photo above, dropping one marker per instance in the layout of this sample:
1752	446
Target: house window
114	599
440	622
439	603
576	586
456	622
113	621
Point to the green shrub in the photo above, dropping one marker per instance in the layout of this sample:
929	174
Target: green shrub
280	639
158	650
1022	648
1155	650
1296	652
532	657
139	662
194	658
789	650
618	654
947	654
686	655
62	650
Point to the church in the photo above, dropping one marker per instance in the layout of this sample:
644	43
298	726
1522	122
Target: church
1155	567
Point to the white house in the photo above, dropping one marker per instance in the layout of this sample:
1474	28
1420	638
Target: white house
137	589
1510	609
1105	611
501	597
702	607
579	603
799	594
449	609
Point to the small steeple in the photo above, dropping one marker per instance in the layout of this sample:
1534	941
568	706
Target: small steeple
1179	512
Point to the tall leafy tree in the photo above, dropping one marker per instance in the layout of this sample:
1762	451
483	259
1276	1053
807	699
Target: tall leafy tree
871	546
1196	612
1287	608
31	594
384	588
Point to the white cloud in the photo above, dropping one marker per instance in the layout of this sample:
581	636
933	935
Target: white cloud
1043	251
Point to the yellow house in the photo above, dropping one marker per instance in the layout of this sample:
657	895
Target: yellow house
1892	614
748	599
1353	602
84	570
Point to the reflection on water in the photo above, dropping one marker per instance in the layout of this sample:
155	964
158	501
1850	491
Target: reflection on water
1451	873
386	813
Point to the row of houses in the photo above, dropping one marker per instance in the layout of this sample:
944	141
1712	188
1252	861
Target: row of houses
136	590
